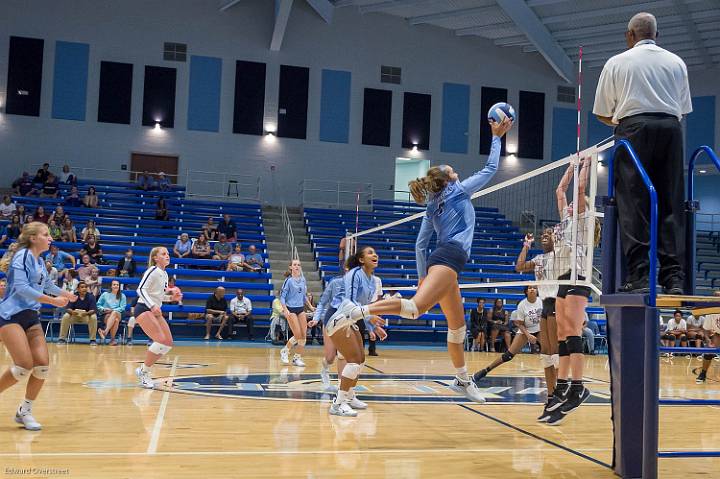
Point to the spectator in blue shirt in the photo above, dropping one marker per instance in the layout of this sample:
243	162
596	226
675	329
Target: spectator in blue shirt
254	259
145	181
163	182
60	259
228	228
183	246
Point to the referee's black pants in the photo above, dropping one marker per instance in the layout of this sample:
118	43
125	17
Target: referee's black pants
658	142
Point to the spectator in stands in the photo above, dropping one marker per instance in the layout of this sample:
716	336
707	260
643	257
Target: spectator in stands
7	207
54	230
42	174
695	331
241	311
73	199
3	287
236	262
21	214
40	215
145	181
499	324
24	185
66	177
50	187
59	215
163	182
94	282
83	311
173	290
183	246
209	229
68	231
91	198
590	330
93	249
254	260
478	325
227	227
216	308
278	322
70	281
112	305
11	249
223	249
52	272
90	230
676	329
60	259
161	211
126	266
14	228
201	248
86	267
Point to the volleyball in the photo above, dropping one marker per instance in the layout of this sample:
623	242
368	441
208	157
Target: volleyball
499	111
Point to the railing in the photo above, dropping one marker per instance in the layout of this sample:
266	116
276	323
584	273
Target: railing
336	194
222	186
82	173
707	221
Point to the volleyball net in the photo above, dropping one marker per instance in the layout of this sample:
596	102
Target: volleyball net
506	213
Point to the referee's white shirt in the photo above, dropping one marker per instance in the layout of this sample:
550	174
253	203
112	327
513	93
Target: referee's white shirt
643	79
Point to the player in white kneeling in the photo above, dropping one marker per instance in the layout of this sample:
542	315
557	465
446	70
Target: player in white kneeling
148	312
358	290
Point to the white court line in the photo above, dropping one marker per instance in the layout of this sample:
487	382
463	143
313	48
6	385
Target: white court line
152	446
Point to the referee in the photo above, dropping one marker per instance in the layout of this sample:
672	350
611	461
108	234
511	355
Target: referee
643	93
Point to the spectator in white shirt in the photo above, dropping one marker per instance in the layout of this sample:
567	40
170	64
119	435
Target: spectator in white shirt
675	329
695	332
7	207
644	93
241	311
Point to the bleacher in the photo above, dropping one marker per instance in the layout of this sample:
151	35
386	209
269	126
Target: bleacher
708	261
495	248
125	219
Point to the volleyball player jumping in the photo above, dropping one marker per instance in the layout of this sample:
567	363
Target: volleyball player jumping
451	215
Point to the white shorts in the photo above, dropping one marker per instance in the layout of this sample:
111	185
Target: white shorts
339	320
712	323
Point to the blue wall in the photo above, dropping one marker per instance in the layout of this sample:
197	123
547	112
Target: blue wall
455	118
564	133
70	80
335	106
700	128
204	95
597	131
706	191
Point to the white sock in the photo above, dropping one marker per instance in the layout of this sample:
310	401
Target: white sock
462	373
342	397
26	406
144	369
325	364
351	394
360	313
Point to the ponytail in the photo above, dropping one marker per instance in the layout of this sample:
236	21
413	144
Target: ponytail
23	241
434	181
354	260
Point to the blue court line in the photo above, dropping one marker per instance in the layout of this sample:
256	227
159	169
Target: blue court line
535	436
374	369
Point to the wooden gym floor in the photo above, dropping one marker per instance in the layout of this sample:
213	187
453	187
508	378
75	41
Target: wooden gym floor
235	411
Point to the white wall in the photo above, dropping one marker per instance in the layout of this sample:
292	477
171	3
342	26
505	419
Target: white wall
134	31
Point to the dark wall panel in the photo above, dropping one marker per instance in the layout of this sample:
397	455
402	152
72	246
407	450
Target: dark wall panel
24	80
531	122
159	97
293	102
249	108
377	113
416	121
115	97
489	96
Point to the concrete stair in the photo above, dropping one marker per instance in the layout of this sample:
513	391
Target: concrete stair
277	248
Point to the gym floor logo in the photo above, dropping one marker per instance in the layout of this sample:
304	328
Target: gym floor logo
400	388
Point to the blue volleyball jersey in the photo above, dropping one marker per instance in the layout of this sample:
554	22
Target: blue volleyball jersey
331	298
450	213
359	287
27	280
293	293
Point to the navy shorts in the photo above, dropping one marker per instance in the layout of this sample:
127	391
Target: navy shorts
449	254
26	318
328	315
565	290
297	310
140	308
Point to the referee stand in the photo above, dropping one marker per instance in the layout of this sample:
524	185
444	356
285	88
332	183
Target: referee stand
633	332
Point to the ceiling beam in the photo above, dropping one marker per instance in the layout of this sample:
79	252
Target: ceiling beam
618	39
601	12
542	3
684	13
481	29
345	3
437	17
225	4
513	41
538	34
282	15
390	4
323	8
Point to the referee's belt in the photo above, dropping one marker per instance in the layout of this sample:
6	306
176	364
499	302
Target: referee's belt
649	114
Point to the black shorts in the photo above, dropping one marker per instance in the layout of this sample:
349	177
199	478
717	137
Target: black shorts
449	254
548	307
140	308
565	290
297	310
26	318
328	315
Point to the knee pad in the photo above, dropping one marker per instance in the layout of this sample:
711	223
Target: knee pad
352	370
408	309
19	373
574	345
507	356
563	349
556	360
683	338
546	361
131	322
340	357
708	357
158	348
457	336
301	342
41	372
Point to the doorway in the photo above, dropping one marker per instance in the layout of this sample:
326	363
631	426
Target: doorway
407	169
153	163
